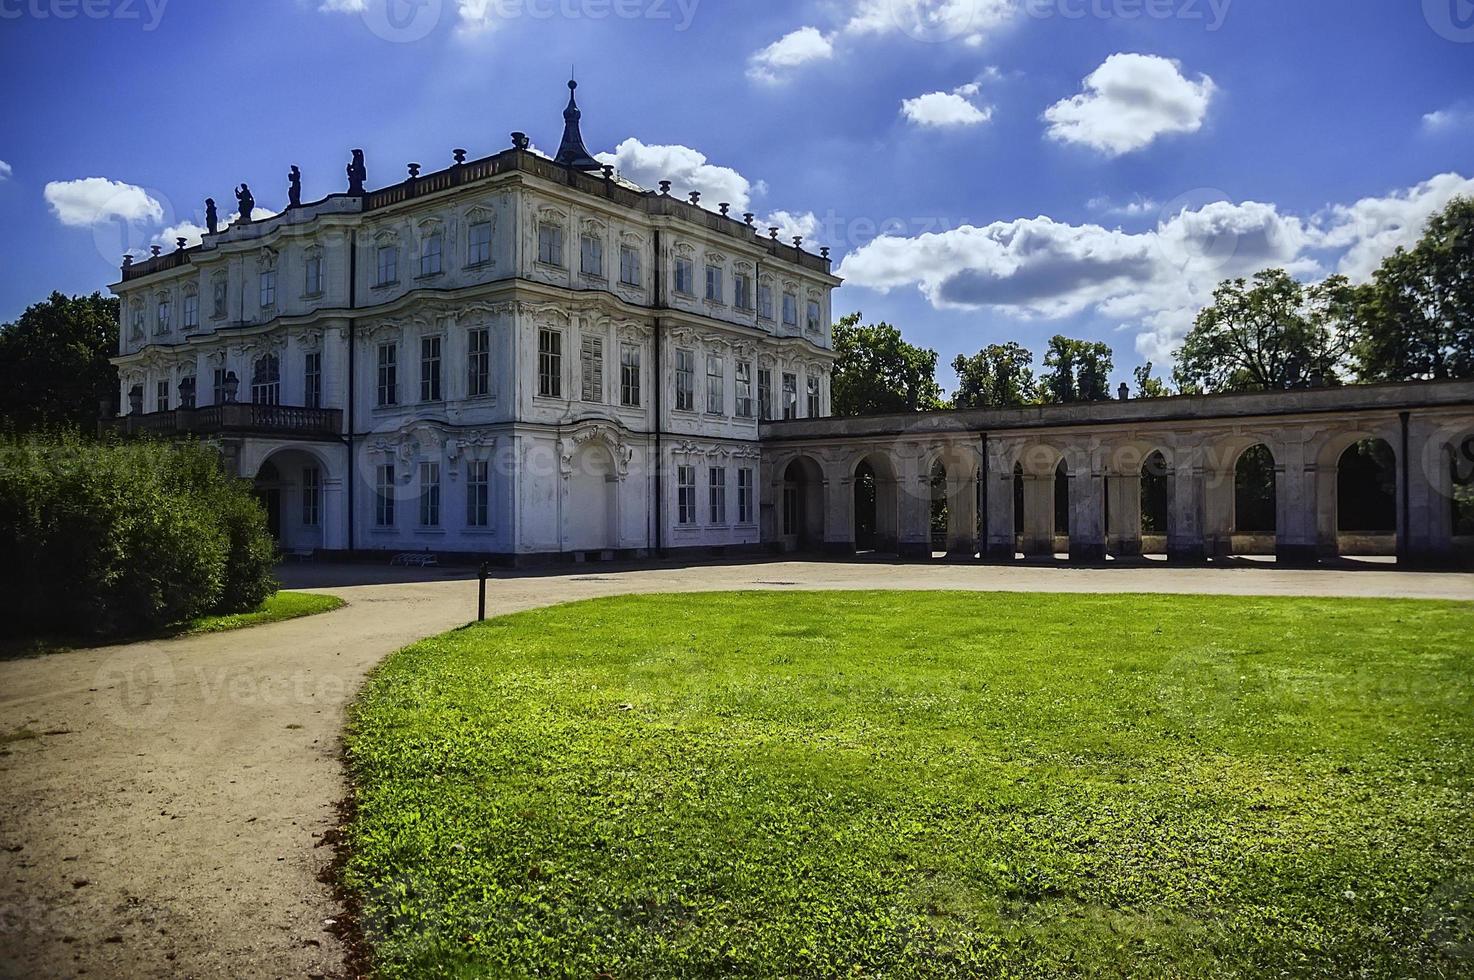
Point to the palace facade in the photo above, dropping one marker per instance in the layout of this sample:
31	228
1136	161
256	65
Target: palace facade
511	356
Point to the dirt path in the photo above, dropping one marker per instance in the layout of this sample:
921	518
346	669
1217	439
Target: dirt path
161	804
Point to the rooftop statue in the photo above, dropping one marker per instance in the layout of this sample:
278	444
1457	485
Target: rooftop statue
357	174
294	188
212	220
247	203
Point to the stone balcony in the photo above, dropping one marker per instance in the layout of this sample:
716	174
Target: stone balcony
236	418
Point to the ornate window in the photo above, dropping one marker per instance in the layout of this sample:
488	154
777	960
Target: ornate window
429	495
685	272
430	369
685	380
591	256
386	267
790	396
161	396
629	375
478	493
714	283
812	405
744	495
813	316
161	323
478	363
218	292
765	394
191	309
136	331
478	243
716	385
266	380
268	289
591	369
744	389
384	495
790	310
549	363
311	496
686	495
629	265
432	248
312	379
388	386
765	301
550	244
312	285
742	291
716	494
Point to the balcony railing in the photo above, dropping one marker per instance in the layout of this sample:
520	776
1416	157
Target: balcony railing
243	418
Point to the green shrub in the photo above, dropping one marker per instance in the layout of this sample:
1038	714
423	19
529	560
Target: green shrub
114	540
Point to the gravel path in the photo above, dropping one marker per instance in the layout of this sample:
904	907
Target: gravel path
162	805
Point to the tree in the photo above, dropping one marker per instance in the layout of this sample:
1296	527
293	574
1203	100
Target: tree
877	372
1416	317
1077	371
998	376
1275	333
1148	386
54	367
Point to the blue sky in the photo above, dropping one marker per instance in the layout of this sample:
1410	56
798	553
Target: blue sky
1090	167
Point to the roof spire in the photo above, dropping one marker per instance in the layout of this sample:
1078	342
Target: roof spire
572	152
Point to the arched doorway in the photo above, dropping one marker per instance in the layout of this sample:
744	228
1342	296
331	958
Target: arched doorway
876	503
1156	503
1061	536
1255	502
590	515
1366	499
801	523
939	512
290	484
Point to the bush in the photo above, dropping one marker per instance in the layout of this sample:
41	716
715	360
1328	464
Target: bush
113	540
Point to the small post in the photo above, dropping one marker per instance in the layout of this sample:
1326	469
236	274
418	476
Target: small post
481	600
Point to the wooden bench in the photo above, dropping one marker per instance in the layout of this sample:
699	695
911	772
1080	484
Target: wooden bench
412	559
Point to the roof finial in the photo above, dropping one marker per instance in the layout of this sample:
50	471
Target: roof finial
571	152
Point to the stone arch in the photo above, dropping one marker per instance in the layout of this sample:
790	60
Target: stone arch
800	500
297	487
1255	512
1340	474
1154	491
876	486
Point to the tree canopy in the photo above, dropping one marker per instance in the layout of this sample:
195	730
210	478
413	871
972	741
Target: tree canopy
54	367
1416	316
877	372
1273	332
998	376
1076	371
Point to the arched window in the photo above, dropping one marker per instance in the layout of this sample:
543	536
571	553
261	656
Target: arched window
266	381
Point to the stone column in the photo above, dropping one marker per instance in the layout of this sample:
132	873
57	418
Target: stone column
913	490
962	509
1218	509
1038	530
1087	512
1185	508
1002	535
1428	537
1123	537
839	515
1296	505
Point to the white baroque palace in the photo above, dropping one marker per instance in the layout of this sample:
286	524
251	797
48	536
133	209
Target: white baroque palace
513	356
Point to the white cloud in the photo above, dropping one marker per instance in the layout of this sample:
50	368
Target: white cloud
1454	118
1374	227
686	169
1154	280
5	170
947	109
788	52
91	200
969	21
1134	208
804	224
1128	102
343	6
194	233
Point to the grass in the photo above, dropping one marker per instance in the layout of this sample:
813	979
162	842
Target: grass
281	606
923	784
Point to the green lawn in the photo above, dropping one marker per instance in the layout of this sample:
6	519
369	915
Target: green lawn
282	605
923	784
